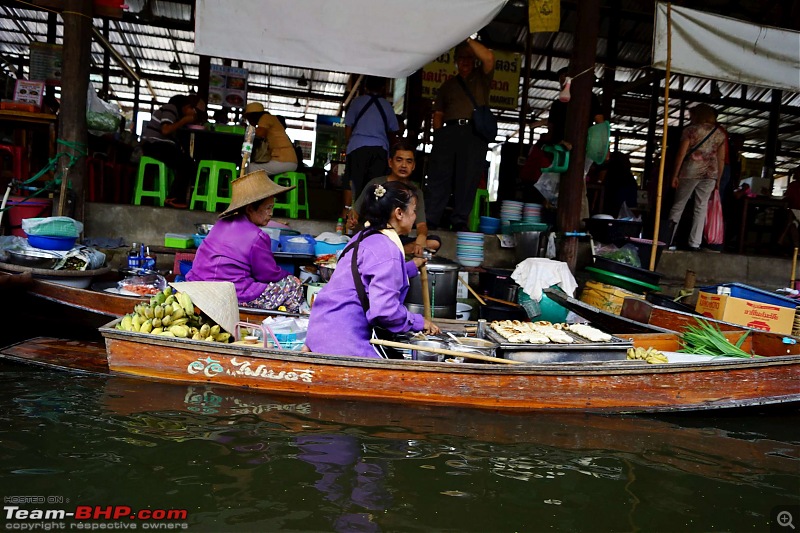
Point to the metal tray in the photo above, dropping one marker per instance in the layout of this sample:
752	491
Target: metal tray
580	344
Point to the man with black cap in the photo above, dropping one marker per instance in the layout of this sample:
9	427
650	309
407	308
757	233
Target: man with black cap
458	155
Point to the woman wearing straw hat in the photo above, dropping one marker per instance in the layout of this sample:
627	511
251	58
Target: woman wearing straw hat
281	155
370	282
237	250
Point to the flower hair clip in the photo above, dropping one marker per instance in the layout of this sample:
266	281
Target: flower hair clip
380	191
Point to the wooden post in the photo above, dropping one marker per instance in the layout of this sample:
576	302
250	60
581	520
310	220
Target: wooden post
523	110
204	74
768	172
77	18
572	182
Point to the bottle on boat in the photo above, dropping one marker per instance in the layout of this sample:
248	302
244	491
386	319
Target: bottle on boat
134	260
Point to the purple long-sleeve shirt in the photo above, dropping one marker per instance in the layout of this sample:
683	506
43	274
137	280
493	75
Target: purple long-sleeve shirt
338	324
238	251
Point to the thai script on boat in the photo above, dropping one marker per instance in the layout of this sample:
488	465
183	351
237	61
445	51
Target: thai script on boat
211	367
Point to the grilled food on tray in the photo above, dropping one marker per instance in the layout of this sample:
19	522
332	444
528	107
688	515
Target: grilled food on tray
543	332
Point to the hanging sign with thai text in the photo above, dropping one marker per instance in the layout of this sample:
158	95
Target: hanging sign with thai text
505	84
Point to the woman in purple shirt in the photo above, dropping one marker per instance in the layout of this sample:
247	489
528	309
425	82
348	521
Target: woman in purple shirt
237	250
340	322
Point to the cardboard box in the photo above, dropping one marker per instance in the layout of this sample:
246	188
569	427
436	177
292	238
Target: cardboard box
606	297
756	315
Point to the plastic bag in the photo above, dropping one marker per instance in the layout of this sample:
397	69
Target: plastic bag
628	254
82	258
101	117
144	285
714	230
548	186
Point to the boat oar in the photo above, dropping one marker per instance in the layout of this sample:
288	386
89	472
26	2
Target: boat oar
475	294
500	300
442	351
794	269
426	296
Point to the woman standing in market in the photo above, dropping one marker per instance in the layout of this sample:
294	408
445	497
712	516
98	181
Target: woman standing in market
273	151
237	250
698	170
370	283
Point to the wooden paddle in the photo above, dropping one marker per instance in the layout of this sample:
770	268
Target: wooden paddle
426	296
794	269
442	351
475	294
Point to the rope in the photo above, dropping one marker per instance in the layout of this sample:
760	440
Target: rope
75	152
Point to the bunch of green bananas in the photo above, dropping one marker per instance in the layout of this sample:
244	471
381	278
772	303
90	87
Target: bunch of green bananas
172	315
651	355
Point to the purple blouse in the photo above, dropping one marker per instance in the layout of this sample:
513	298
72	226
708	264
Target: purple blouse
338	324
238	251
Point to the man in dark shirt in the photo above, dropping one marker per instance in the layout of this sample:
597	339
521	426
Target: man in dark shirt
458	154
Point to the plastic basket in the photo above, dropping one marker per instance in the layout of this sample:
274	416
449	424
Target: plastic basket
746	292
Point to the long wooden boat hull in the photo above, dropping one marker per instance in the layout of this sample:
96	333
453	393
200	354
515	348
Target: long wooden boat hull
614	386
98	307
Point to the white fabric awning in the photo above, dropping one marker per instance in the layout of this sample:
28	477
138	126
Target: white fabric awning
378	37
726	49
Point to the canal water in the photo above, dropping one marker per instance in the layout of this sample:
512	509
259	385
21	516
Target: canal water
215	459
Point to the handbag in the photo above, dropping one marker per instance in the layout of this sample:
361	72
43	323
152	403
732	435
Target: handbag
484	123
714	228
377	332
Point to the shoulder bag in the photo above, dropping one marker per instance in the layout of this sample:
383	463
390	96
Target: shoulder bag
390	135
483	120
378	332
262	153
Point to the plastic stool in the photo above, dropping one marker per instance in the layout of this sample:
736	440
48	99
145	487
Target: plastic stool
560	158
292	204
159	192
481	197
209	184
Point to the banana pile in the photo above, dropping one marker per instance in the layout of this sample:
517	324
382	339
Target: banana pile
172	315
651	355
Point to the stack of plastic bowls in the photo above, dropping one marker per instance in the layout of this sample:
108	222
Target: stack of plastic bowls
489	225
532	213
469	248
510	211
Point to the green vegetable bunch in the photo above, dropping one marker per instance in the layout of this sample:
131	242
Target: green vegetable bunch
707	339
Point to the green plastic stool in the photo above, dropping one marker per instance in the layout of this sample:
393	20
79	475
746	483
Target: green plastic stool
162	180
481	197
291	203
207	184
560	158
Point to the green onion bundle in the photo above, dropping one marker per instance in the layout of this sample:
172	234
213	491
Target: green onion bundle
707	339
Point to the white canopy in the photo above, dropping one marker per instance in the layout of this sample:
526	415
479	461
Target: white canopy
722	48
378	37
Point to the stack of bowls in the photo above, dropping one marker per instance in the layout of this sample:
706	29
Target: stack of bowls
532	213
489	225
510	211
469	248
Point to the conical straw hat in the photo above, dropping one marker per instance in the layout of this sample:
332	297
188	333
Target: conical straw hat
252	187
217	299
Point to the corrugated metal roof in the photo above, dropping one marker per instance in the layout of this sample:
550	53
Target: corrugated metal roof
156	37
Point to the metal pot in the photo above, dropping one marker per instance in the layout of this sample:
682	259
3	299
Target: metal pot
442	285
470	345
422	355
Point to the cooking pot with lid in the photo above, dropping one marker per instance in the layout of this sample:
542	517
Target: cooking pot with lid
470	345
442	287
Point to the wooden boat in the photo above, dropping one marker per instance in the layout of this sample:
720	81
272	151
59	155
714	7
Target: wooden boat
693	383
96	307
714	452
639	316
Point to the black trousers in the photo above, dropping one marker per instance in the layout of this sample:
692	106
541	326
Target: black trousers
455	167
178	161
363	164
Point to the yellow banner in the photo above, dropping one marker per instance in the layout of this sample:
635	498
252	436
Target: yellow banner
505	85
544	15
